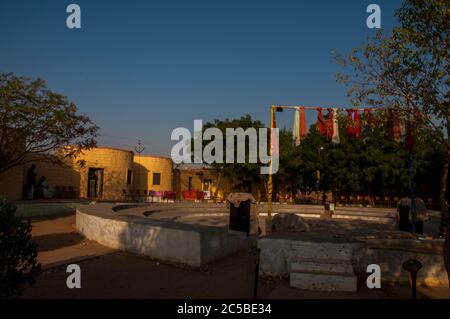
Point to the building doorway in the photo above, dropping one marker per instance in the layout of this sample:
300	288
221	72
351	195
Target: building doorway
95	183
207	187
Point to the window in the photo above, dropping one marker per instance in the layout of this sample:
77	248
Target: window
129	176
156	178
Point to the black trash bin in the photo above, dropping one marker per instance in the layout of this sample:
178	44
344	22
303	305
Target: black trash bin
240	217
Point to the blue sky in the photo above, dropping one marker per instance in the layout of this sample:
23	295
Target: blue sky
141	68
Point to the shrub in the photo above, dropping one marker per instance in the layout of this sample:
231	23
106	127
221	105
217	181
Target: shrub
18	253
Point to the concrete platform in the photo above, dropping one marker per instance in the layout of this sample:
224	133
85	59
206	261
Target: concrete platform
192	245
280	252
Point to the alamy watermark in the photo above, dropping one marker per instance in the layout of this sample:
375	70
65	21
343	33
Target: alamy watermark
373	21
74	279
213	152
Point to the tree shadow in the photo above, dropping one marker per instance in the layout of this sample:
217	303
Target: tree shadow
56	241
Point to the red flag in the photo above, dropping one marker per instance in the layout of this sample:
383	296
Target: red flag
357	129
303	128
350	129
321	122
329	124
395	130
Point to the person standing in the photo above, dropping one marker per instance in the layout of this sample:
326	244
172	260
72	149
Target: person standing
405	218
403	209
44	189
423	215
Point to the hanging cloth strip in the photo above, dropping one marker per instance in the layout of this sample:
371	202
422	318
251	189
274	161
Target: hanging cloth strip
350	128
329	124
321	122
335	138
395	129
303	127
296	128
299	130
357	131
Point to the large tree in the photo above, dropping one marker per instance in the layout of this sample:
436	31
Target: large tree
408	69
370	164
36	120
236	173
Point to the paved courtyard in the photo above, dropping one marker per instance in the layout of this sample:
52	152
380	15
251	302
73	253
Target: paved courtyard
108	273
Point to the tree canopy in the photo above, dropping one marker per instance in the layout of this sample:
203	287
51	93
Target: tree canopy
36	120
368	165
408	69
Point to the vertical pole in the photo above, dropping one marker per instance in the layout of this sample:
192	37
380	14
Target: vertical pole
139	149
255	283
269	182
414	285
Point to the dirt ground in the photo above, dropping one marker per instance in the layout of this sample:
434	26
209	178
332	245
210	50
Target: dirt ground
108	273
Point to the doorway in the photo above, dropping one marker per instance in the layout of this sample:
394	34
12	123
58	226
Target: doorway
95	183
207	186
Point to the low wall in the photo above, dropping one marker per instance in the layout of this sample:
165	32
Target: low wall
376	215
168	241
391	254
276	254
47	208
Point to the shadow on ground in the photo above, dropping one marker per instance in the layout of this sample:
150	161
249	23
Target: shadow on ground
56	241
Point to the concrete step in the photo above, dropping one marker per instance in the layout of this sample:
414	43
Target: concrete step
323	281
337	267
323	251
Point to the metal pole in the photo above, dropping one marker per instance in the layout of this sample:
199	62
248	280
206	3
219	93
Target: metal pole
269	182
255	284
412	266
139	149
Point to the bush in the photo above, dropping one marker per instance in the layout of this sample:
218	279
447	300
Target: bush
18	253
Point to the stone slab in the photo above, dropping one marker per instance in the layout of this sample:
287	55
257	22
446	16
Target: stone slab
323	282
331	251
321	266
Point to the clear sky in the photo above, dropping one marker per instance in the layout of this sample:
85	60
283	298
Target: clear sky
141	68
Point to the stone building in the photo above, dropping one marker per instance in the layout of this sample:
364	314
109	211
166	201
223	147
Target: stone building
12	144
191	177
152	173
105	173
101	173
11	185
98	173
